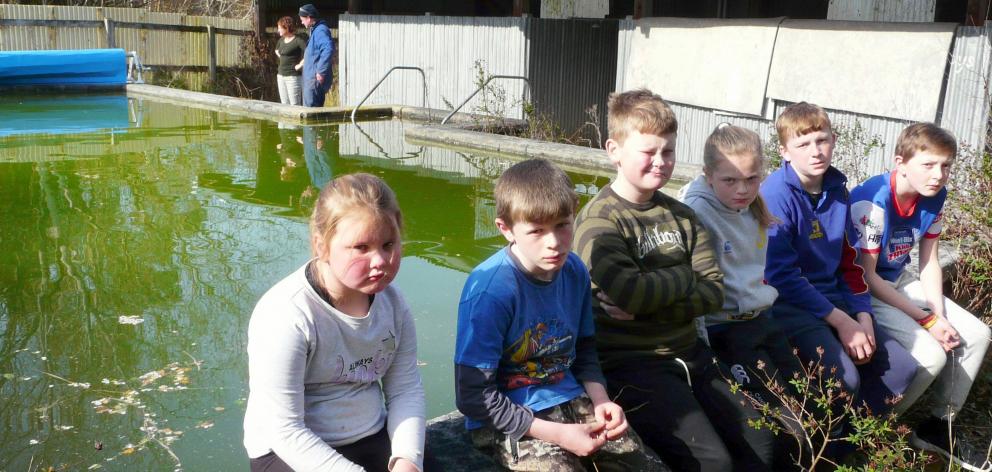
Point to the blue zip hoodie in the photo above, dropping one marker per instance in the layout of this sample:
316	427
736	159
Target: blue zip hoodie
317	58
810	260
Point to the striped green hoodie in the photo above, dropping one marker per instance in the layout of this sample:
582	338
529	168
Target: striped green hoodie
656	262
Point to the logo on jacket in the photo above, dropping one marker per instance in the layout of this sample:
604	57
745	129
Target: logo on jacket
727	248
653	238
815	232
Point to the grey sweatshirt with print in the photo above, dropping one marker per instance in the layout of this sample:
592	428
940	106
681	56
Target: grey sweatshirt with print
740	244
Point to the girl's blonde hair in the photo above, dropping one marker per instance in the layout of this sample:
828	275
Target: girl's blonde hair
730	140
349	195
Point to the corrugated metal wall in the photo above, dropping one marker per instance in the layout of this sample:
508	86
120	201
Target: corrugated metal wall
696	124
966	100
882	10
446	48
625	37
572	64
171	49
965	104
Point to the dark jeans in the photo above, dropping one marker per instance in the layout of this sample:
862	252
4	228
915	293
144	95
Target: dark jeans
699	427
874	384
314	92
744	345
759	355
371	452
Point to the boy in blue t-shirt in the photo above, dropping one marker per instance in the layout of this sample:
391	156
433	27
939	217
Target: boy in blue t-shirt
823	303
527	376
891	213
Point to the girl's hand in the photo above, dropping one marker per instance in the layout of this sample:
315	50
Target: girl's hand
611	309
945	334
613	418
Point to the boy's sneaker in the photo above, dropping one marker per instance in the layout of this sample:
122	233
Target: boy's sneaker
933	435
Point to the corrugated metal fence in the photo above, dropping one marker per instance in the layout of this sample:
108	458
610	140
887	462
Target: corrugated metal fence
452	51
569	63
882	10
572	64
33	27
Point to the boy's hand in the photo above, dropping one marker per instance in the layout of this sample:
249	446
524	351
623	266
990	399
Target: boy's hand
945	334
581	439
611	415
852	336
868	324
404	465
611	308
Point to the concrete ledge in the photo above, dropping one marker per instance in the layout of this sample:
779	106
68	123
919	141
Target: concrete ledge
258	108
452	446
567	156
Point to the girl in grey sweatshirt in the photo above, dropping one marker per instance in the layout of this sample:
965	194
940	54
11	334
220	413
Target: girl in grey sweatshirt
726	200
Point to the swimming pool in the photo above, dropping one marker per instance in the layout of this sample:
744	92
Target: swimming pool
135	242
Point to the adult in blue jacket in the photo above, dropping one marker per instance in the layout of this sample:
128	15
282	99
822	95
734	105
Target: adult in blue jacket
317	59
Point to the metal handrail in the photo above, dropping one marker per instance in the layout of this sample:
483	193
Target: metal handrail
135	68
490	79
423	79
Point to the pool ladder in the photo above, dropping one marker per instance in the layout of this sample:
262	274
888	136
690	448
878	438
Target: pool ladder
423	81
135	68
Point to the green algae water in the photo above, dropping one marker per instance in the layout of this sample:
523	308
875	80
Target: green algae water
135	239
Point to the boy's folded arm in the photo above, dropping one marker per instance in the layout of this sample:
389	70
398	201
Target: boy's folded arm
615	271
707	296
478	397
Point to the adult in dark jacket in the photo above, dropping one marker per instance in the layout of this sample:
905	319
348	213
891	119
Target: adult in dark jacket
317	60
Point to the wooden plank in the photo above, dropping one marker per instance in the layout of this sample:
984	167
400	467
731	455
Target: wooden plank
212	53
108	26
118	24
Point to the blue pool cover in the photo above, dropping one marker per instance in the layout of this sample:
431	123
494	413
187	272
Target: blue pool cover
72	67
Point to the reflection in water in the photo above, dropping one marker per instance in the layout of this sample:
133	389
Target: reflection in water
28	114
178	225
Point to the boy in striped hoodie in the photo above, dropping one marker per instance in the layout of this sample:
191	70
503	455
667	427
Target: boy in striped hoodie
653	272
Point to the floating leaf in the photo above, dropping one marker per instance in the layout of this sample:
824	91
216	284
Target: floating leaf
218	408
130	320
128	451
94	467
9	376
151	377
33	442
205	425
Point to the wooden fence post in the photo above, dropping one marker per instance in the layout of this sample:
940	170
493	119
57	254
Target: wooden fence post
108	26
212	51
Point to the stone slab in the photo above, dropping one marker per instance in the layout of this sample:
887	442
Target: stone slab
567	156
258	108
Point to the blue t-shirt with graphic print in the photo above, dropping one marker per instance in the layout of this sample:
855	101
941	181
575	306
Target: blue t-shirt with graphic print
524	329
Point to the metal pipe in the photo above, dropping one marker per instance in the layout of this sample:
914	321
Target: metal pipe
484	84
423	80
